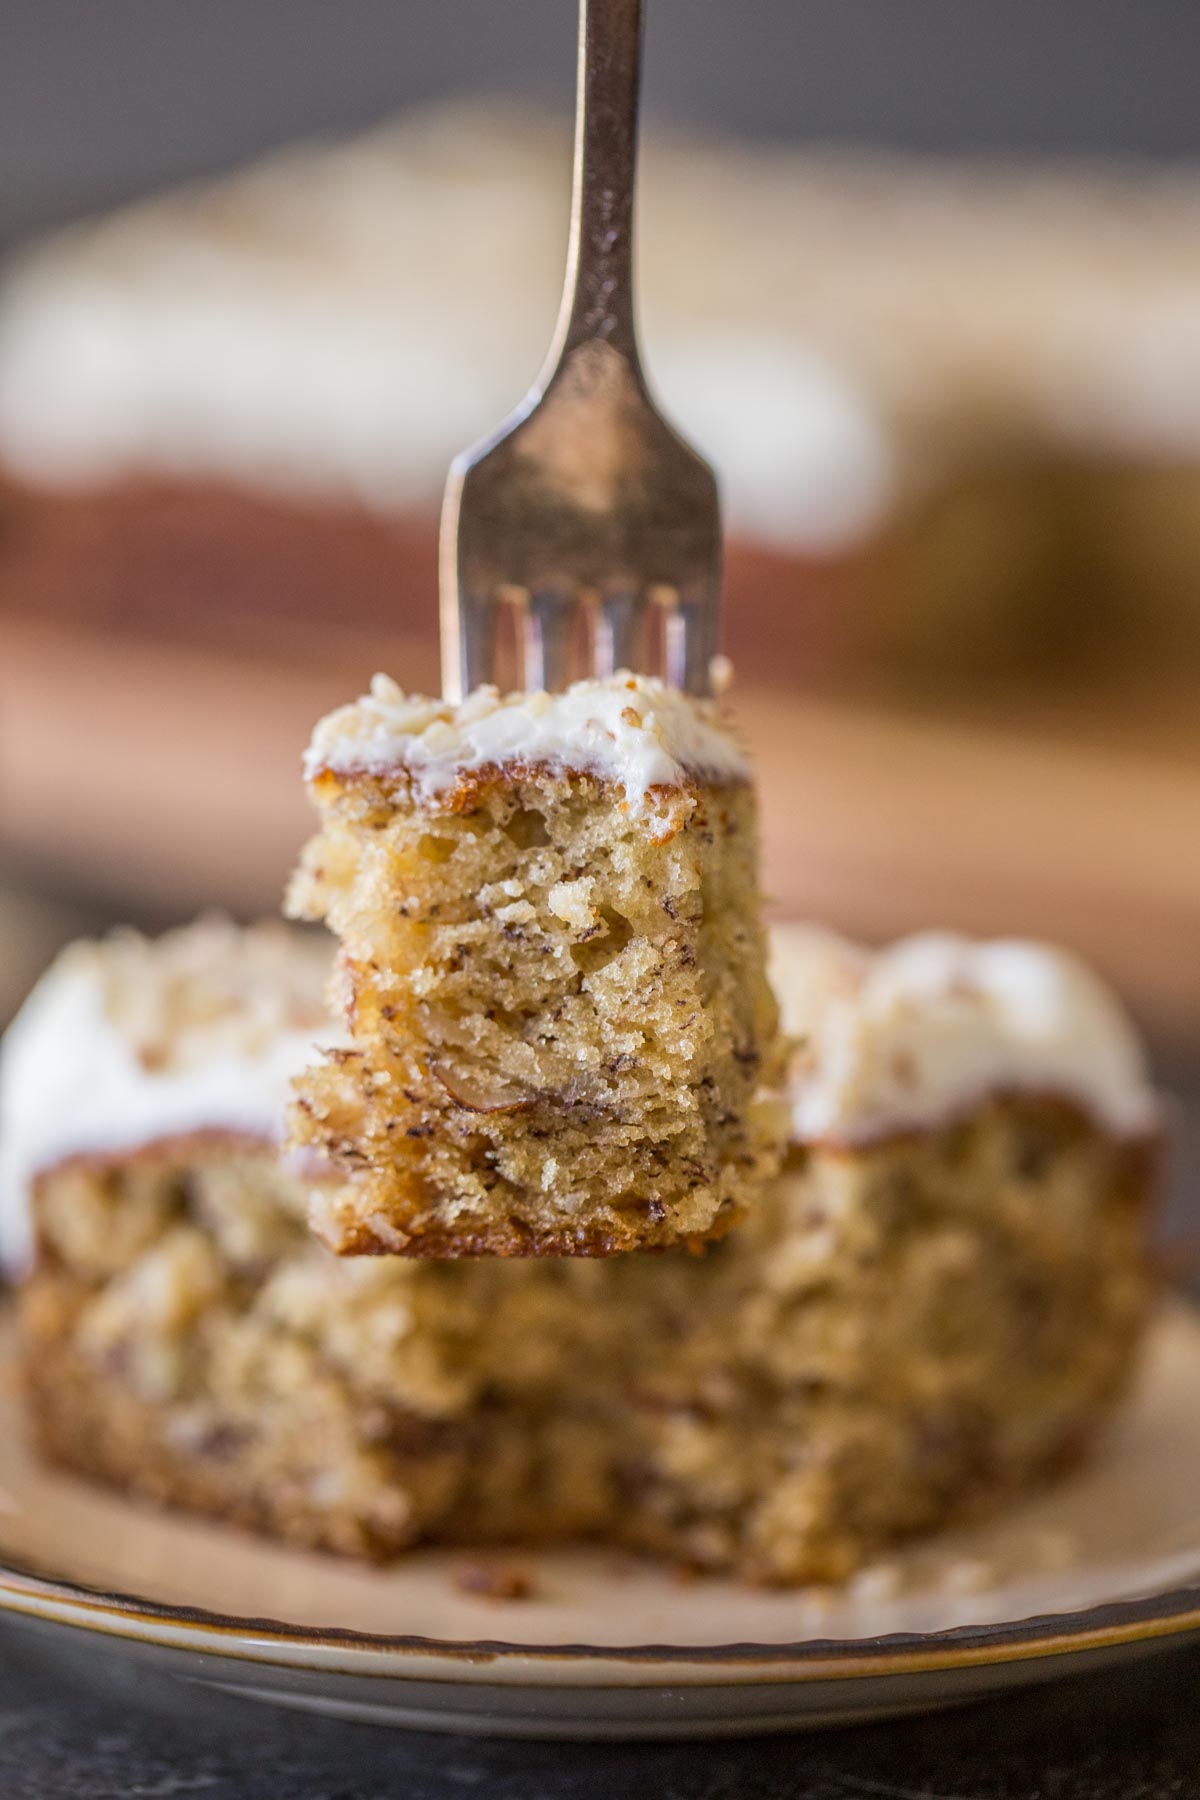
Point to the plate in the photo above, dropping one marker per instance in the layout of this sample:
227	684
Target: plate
1105	1566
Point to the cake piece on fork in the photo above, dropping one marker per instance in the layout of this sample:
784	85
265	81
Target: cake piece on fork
552	971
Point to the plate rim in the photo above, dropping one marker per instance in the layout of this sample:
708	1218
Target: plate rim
1172	1612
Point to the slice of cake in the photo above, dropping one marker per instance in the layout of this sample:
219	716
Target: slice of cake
552	971
933	1307
130	1046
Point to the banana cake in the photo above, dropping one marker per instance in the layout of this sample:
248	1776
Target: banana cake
552	971
933	1306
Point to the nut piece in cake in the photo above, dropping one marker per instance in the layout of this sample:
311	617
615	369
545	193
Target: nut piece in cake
552	971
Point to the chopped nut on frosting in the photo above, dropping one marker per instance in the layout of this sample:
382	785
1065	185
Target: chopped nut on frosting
631	729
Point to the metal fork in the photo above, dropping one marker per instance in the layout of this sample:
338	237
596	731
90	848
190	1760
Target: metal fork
584	535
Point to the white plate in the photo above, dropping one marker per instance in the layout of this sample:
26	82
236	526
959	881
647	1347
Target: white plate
1105	1566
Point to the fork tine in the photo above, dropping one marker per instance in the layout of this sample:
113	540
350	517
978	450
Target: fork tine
550	647
618	640
696	619
603	662
666	653
476	645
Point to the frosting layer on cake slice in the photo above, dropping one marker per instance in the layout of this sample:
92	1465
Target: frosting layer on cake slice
632	730
905	1037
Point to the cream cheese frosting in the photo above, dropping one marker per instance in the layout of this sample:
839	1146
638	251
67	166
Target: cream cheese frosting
629	729
912	1034
128	1042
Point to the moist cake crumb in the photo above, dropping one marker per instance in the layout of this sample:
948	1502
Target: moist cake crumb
552	970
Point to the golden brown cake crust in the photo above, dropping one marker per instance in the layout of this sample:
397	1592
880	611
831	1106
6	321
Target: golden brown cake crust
672	803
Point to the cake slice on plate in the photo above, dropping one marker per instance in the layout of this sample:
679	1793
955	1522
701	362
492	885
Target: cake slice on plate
552	969
934	1306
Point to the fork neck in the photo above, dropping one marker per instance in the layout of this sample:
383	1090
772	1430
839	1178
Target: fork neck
597	301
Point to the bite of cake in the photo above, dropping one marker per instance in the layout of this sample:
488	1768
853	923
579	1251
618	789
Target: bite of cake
552	972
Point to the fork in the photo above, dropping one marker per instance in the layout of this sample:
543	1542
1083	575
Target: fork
583	536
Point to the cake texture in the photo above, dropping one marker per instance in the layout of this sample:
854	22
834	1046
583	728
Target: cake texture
552	971
932	1307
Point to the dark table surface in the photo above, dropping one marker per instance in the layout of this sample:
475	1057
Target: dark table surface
76	1721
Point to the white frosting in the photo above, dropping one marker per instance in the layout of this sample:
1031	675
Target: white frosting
805	458
915	1033
630	729
85	1068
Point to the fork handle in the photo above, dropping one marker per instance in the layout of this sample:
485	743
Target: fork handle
597	298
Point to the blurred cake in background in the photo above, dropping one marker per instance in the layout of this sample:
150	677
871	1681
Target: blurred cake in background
956	411
951	404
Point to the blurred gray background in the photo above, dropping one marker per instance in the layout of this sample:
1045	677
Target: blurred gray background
100	99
